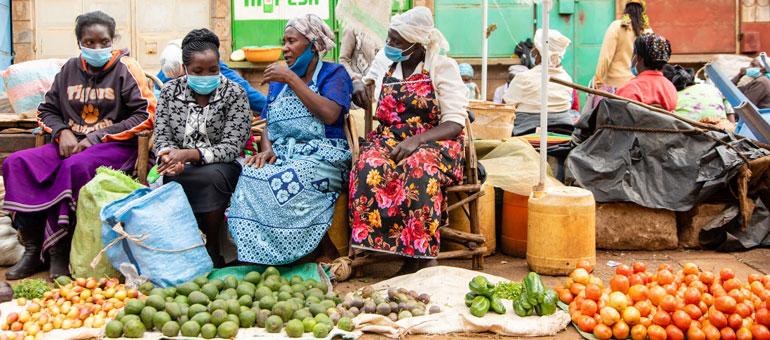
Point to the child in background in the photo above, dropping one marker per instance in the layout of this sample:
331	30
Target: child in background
466	72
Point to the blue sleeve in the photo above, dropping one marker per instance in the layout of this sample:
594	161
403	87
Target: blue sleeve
256	98
338	87
162	78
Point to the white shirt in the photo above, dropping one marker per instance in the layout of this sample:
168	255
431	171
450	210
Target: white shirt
450	89
524	91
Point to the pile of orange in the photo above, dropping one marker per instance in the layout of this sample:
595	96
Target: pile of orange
668	305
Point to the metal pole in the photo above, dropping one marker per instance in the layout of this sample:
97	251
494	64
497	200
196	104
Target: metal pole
484	51
544	97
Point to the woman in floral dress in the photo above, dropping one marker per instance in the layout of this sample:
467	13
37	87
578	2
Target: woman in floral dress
397	186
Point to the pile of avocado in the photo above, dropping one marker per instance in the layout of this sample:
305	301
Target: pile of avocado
219	308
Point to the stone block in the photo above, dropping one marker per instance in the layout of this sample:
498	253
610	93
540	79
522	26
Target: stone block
21	10
22	52
628	226
690	223
22	31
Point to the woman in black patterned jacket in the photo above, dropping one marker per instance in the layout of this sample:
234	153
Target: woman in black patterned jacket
201	125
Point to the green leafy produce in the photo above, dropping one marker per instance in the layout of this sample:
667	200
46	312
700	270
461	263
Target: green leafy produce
509	290
30	289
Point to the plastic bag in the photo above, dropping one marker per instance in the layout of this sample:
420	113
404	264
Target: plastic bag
107	186
156	231
512	165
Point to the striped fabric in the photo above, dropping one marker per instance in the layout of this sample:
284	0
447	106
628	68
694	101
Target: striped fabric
26	83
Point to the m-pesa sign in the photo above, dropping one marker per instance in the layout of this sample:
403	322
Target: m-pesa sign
279	9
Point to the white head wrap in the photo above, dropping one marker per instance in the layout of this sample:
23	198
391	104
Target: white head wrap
516	69
314	29
171	59
557	46
416	26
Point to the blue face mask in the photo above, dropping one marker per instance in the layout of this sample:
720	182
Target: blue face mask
96	58
301	64
203	84
396	54
754	72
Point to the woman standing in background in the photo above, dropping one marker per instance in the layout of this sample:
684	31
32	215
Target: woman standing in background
614	66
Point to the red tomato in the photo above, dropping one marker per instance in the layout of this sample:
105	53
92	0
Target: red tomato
707	277
712	333
593	292
665	277
743	310
576	288
725	304
576	315
585	264
565	296
656	332
743	333
666	266
639	332
692	295
644	308
693	311
690	268
681	319
694	333
727	333
586	323
636	279
661	318
668	303
708	299
656	295
619	283
640	267
717	318
588	307
731	284
760	332
757	288
726	274
602	332
754	277
762	317
674	333
620	330
624	270
735	321
690	278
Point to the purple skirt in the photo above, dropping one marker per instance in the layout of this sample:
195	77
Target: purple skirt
40	180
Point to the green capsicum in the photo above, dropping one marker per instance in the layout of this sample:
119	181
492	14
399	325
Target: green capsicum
521	306
534	288
548	306
481	286
497	305
480	306
469	299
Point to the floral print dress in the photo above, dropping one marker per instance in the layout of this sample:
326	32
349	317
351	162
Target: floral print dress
397	208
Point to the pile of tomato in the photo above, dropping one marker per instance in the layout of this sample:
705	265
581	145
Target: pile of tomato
668	305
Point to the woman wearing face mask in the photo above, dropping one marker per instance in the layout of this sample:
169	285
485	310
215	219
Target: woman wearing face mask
466	73
757	89
202	125
650	86
285	197
397	186
96	105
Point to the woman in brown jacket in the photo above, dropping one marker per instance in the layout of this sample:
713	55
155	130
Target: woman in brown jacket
614	66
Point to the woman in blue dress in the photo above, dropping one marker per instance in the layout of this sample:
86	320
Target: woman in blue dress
284	200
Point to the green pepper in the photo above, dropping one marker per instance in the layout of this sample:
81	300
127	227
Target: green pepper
534	287
521	306
469	299
497	305
548	306
480	306
481	286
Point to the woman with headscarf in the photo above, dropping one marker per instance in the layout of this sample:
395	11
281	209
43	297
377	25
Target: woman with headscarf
466	73
524	91
614	64
397	186
649	86
285	197
697	101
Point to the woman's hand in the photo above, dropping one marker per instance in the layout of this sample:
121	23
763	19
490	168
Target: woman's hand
84	144
406	148
260	159
172	161
360	94
278	73
68	143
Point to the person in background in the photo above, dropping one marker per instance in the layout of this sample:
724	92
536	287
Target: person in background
466	72
202	124
171	67
284	202
513	70
398	184
696	101
758	88
97	104
614	64
524	91
357	52
651	54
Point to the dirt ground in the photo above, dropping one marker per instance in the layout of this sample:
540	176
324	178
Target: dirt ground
744	263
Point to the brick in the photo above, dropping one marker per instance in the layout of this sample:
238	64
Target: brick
22	31
22	52
627	226
220	9
21	10
690	223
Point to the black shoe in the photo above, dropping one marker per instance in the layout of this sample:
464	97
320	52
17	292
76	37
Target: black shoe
60	258
30	263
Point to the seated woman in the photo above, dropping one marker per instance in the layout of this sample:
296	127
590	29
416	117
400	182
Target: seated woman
397	186
754	82
466	73
649	86
202	124
96	105
697	101
285	197
524	91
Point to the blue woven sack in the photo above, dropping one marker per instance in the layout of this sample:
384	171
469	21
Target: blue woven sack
156	231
